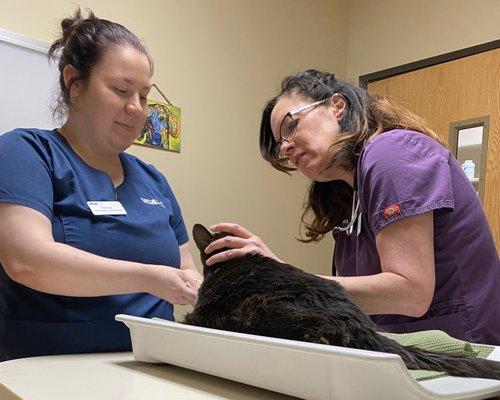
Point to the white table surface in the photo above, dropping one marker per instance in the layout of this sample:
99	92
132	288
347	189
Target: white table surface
115	376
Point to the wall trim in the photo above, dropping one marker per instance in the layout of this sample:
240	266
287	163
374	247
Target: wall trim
24	41
364	80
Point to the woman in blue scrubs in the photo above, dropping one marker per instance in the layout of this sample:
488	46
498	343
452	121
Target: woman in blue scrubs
88	231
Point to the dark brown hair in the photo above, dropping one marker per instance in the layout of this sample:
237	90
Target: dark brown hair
367	115
82	44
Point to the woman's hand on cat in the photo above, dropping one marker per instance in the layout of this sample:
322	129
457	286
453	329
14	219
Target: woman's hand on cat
242	242
192	278
178	286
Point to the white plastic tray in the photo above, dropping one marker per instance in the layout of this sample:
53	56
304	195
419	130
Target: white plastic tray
306	370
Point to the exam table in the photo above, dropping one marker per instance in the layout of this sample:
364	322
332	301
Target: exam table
174	361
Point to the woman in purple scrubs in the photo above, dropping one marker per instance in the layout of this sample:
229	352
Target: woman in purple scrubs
412	245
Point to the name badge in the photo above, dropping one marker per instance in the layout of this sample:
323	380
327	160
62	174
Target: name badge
106	208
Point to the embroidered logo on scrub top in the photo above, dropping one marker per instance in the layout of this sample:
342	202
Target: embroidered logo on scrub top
393	209
153	202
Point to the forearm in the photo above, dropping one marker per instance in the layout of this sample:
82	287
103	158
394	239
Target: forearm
64	270
383	293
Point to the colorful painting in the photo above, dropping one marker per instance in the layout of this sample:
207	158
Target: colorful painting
163	127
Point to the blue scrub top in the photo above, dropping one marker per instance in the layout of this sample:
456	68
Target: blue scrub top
40	170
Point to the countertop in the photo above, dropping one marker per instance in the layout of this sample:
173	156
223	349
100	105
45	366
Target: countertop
115	376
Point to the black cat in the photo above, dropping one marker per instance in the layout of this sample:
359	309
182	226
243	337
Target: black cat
260	296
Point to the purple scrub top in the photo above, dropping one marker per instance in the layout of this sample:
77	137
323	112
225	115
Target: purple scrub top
403	173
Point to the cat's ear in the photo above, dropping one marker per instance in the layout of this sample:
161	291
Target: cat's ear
201	236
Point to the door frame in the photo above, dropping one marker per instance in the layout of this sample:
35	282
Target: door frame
364	80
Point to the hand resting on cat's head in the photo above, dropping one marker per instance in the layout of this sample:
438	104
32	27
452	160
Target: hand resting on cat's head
202	237
237	242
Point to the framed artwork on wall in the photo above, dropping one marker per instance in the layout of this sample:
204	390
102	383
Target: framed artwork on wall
163	126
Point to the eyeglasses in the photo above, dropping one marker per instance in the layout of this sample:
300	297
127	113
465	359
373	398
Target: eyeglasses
289	123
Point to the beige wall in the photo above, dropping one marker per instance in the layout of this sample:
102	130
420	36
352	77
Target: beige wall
388	33
219	60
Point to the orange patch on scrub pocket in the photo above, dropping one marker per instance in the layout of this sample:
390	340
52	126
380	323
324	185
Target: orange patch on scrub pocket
391	210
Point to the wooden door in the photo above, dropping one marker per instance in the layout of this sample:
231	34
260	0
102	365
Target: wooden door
463	89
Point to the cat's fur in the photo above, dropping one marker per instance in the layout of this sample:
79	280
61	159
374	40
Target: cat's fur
258	295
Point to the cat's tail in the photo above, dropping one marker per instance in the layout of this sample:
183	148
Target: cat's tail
452	363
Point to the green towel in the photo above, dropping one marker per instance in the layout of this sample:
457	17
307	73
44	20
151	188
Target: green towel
437	341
